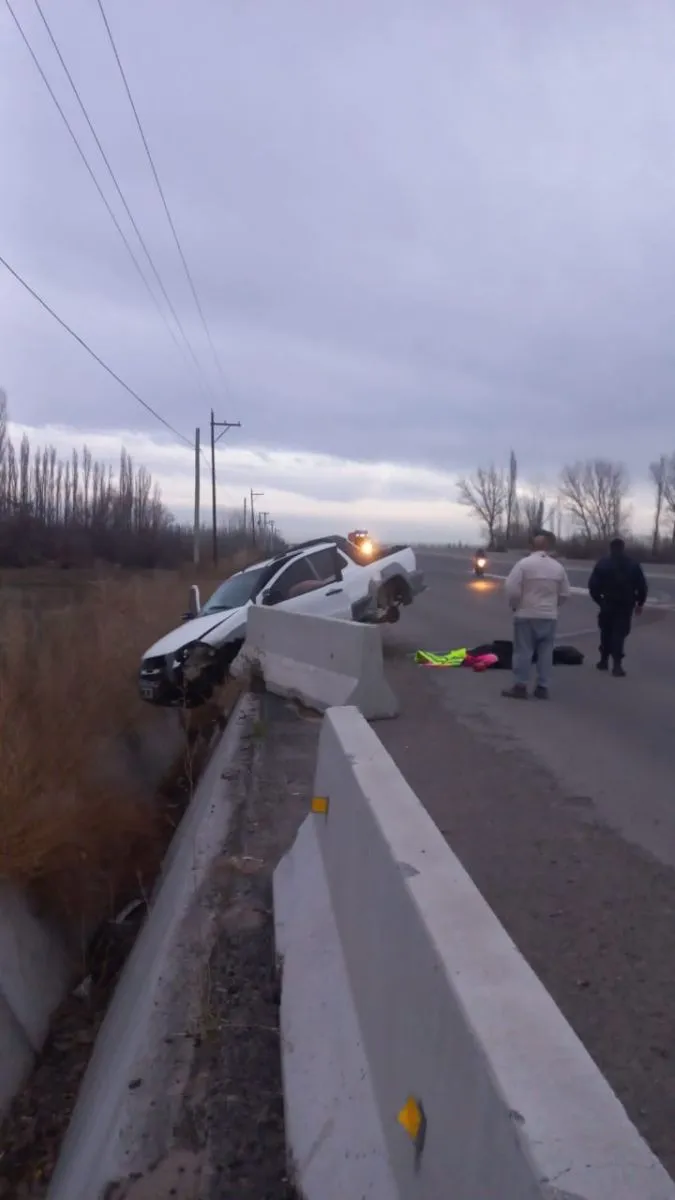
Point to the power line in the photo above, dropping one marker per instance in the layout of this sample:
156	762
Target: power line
161	192
88	166
120	193
148	407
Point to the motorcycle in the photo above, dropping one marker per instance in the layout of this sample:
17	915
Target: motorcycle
479	565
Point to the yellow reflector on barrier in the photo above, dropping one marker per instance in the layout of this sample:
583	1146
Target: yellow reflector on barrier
320	804
410	1117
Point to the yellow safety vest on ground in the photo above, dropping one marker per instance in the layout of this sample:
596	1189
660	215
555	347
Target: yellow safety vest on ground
453	658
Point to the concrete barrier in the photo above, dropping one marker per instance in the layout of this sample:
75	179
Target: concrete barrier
422	1057
35	970
321	661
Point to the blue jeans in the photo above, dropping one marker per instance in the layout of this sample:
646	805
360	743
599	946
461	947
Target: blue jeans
530	636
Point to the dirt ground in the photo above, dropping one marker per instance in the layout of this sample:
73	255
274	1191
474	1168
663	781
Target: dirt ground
228	1141
592	914
242	1113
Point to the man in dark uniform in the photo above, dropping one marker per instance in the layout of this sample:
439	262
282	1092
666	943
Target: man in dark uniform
619	588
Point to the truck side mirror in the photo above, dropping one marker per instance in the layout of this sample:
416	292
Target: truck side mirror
194	603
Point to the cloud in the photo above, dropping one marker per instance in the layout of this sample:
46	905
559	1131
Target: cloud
422	234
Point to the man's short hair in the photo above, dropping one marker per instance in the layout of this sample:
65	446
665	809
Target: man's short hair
616	545
549	537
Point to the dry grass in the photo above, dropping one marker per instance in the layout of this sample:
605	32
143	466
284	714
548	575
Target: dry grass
79	839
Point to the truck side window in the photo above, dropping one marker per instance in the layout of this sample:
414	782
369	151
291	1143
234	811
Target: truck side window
326	564
299	571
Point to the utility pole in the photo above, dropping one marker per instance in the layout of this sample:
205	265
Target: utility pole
245	515
254	496
263	517
223	426
197	523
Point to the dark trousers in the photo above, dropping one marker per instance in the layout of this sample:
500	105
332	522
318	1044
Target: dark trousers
614	624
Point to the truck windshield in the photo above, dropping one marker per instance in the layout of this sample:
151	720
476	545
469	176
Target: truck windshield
234	592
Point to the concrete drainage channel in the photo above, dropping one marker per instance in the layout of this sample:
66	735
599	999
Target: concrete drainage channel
183	1094
57	977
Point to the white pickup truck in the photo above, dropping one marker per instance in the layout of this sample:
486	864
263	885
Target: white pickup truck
328	577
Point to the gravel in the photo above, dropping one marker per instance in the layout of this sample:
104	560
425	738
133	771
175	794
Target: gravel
237	1068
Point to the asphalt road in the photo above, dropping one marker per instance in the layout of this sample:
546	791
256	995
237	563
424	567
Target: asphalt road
563	812
661	579
603	738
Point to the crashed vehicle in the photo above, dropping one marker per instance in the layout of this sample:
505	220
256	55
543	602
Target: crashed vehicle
327	577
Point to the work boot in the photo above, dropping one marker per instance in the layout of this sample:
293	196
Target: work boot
603	665
541	693
517	692
618	671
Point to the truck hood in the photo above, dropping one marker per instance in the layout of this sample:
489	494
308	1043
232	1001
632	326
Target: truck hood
214	629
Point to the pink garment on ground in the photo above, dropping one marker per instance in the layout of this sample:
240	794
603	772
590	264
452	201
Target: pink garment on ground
483	661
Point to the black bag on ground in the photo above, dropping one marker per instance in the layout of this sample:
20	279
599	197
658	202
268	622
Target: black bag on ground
563	656
567	656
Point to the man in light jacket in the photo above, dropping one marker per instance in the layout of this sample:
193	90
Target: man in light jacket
535	589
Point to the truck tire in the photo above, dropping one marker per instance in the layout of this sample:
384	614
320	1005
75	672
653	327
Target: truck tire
392	596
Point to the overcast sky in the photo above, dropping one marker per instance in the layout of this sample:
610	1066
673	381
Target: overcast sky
422	232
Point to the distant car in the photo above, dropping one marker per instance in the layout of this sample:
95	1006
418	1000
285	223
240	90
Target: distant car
325	576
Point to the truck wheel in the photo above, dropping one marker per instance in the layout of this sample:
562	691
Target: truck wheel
394	594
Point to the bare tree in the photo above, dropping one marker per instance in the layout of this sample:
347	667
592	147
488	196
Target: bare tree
76	510
86	476
511	496
24	474
659	471
4	466
595	493
533	512
669	492
486	496
3	424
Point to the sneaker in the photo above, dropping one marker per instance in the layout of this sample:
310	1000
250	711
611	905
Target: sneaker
618	671
603	665
541	693
517	692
